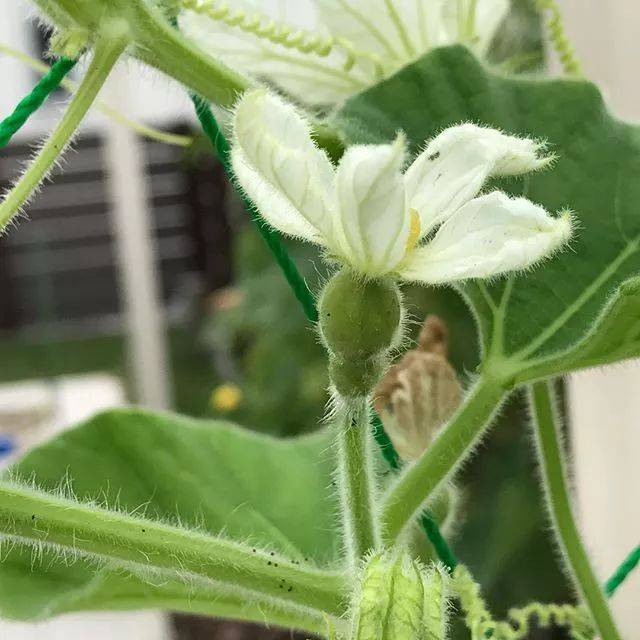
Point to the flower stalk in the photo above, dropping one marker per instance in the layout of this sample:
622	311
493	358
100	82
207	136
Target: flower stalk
355	474
108	49
144	546
161	46
446	453
554	480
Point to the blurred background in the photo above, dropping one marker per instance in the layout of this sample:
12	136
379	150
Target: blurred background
139	279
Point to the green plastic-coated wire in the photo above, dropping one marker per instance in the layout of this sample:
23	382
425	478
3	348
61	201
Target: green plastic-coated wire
627	566
34	100
294	278
430	526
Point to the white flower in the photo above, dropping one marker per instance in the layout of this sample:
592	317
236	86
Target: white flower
426	224
352	44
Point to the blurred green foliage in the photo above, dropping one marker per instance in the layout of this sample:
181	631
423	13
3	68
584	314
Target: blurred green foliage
193	376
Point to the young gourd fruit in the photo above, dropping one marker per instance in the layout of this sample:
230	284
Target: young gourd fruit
360	321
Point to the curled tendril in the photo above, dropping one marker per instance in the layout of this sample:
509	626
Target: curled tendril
283	34
575	619
558	36
482	625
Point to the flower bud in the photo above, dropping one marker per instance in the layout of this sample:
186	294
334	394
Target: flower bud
359	323
399	599
420	393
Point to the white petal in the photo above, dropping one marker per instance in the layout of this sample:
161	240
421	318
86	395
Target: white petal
312	78
473	22
490	235
398	31
365	23
375	220
489	16
455	164
276	162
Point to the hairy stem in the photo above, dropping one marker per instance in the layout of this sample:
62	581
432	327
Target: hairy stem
163	47
406	498
554	478
356	482
145	545
150	132
107	51
204	600
63	13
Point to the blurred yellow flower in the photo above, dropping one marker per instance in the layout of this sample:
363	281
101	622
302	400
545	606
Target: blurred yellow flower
226	397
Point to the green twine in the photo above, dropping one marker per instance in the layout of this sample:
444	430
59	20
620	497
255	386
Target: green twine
34	100
430	526
627	566
384	443
270	236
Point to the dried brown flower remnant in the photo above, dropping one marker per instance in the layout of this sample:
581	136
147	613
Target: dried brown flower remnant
420	393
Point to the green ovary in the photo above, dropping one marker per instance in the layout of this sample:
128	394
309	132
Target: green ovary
359	322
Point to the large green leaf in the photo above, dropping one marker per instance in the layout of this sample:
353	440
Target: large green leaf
212	475
546	317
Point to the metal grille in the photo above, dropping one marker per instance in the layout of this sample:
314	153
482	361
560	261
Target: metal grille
60	266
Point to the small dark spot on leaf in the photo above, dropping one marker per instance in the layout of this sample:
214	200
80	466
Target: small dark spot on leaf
144	531
269	563
290	589
33	516
434	156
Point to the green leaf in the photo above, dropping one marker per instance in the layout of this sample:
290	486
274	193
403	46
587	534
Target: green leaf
212	475
550	311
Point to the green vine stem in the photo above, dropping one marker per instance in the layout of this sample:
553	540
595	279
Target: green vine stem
406	497
356	481
145	546
216	603
549	448
163	47
150	132
57	14
107	51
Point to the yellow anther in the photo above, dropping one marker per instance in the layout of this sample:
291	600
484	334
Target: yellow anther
414	230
